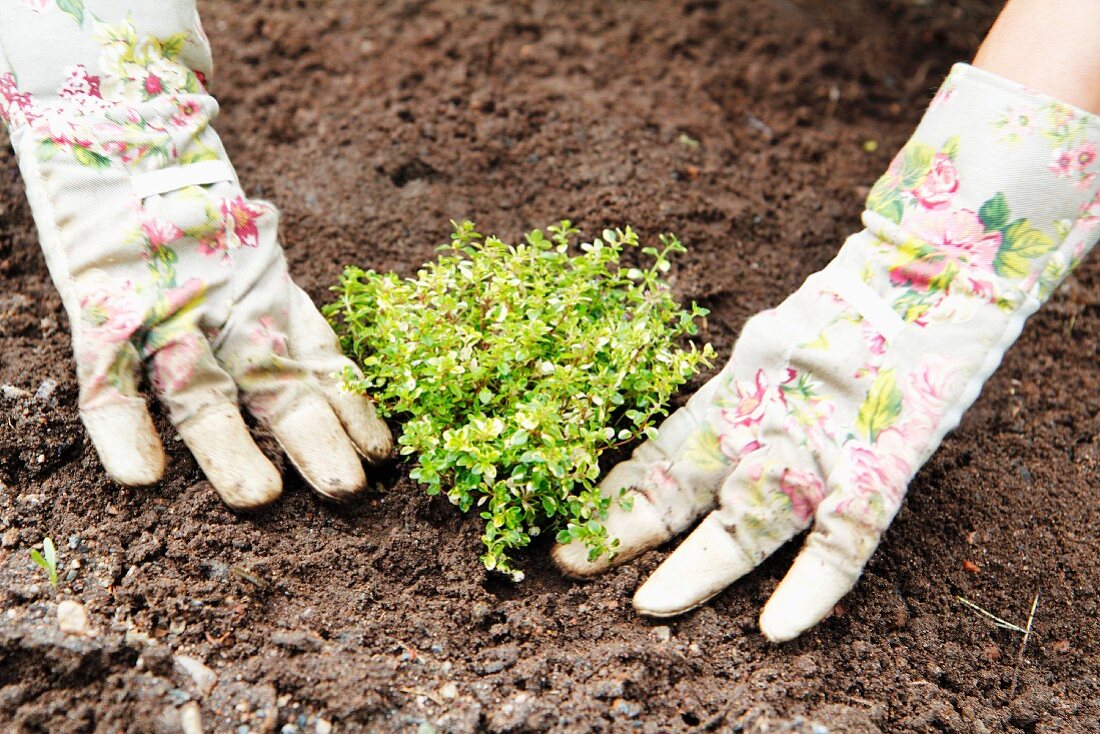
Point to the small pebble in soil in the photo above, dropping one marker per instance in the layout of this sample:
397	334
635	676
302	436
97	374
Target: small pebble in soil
191	718
45	391
448	690
662	633
13	393
72	619
299	641
629	709
323	726
203	677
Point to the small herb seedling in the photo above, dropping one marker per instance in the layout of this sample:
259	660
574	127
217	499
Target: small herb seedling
515	366
47	559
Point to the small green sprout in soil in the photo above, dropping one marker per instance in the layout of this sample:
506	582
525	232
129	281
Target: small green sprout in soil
47	559
515	366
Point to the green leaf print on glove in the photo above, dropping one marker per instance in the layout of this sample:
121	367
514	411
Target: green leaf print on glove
881	408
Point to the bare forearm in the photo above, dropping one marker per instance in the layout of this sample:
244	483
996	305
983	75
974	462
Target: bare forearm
1050	46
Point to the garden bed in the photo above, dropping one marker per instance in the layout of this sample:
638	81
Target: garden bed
750	129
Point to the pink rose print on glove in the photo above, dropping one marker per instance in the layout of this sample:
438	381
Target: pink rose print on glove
877	476
737	441
79	83
805	491
238	227
269	337
1090	213
1019	122
1074	163
1063	162
659	478
873	338
16	108
941	183
114	318
958	236
926	393
175	364
751	399
737	438
240	218
876	345
187	111
160	233
153	85
37	5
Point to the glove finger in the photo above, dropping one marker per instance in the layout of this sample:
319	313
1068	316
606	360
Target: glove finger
637	529
670	482
126	441
284	395
313	343
317	445
848	524
115	417
202	404
763	504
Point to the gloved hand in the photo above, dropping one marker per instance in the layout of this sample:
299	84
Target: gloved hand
160	257
832	401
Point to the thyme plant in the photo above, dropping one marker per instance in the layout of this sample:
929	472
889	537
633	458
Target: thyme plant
514	367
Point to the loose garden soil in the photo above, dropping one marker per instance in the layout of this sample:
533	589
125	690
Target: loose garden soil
752	129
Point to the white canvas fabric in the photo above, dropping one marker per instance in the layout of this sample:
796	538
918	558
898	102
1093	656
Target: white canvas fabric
162	260
832	401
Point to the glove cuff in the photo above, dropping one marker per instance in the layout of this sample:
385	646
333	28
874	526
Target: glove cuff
997	191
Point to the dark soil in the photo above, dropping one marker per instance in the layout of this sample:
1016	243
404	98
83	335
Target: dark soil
371	124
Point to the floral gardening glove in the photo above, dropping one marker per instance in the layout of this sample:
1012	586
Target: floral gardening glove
832	401
160	258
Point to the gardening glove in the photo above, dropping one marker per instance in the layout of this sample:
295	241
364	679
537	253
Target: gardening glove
832	401
161	259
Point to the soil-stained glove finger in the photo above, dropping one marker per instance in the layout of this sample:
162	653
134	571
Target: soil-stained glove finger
202	403
320	450
702	566
314	344
670	481
817	580
280	390
638	529
762	505
126	441
230	459
848	525
115	417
